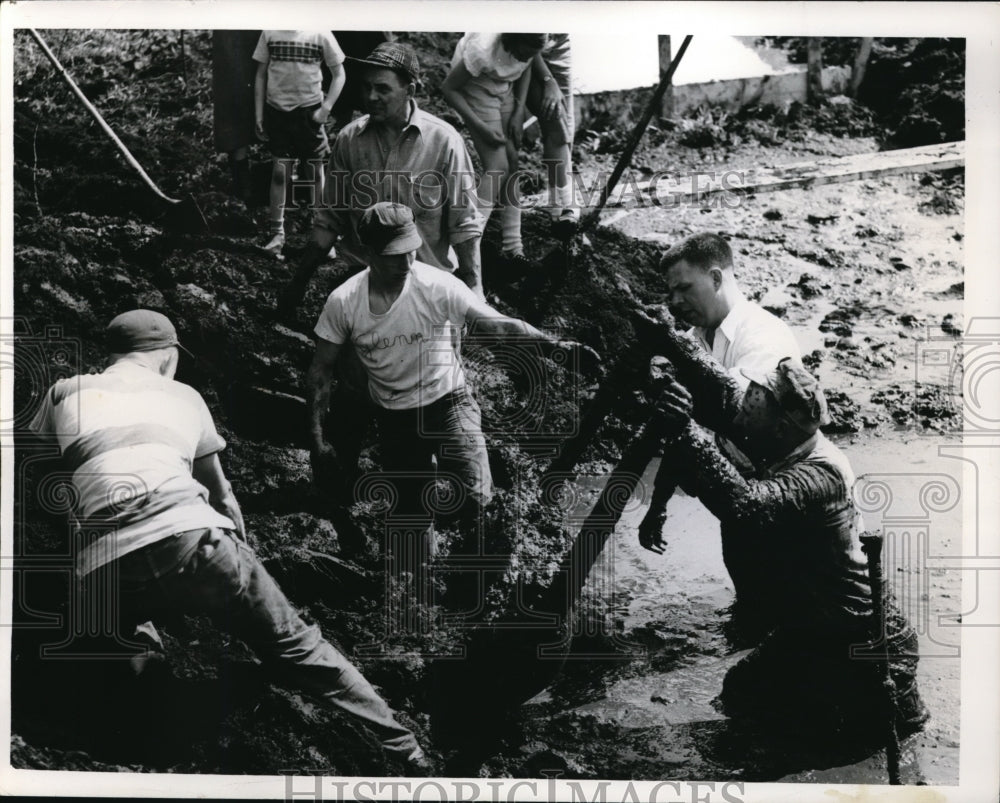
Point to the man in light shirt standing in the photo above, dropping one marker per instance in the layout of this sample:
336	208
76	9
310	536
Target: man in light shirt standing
403	318
740	336
396	152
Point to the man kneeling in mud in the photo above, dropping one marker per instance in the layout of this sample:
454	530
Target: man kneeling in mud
798	508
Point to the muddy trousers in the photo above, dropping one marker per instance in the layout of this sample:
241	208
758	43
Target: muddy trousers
442	441
211	572
807	678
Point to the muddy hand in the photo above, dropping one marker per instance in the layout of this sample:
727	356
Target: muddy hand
327	473
583	357
651	531
674	407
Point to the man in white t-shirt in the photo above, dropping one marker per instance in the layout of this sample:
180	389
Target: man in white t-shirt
740	336
404	319
159	531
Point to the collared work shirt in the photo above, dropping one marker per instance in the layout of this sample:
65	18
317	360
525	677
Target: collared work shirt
427	168
749	337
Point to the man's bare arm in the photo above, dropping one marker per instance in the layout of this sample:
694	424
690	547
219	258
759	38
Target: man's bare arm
470	268
319	381
208	471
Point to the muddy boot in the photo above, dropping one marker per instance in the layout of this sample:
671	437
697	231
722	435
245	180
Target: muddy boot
292	294
566	225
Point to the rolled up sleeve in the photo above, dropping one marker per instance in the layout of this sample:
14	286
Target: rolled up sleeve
464	219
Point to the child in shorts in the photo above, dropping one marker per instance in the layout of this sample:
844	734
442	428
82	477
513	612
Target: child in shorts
487	85
291	111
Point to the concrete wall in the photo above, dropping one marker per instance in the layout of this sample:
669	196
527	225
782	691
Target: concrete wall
620	108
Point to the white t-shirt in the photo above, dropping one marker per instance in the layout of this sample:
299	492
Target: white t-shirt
130	438
488	61
294	77
411	351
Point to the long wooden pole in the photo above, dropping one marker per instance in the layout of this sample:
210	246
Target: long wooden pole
99	118
871	545
633	141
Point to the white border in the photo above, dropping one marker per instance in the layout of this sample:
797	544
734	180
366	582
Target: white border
978	23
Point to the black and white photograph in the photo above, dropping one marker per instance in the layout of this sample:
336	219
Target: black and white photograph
604	411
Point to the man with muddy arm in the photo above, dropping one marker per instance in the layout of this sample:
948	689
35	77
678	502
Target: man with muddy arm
404	319
795	509
735	333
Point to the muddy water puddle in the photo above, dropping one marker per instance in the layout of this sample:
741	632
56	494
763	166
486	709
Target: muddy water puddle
637	704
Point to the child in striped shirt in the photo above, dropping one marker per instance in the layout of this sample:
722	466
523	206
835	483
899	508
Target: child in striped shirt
291	111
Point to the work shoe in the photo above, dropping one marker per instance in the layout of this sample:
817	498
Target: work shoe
518	265
564	226
275	245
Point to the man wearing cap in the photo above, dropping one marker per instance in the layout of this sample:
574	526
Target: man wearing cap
797	509
398	153
158	524
403	318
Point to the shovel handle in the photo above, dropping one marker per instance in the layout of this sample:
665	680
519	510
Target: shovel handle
635	136
97	116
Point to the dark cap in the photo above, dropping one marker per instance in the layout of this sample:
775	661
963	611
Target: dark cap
796	391
388	229
141	330
393	56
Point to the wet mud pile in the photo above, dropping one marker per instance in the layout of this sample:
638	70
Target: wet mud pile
91	241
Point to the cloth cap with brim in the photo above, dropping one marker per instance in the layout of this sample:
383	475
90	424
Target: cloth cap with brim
388	229
797	392
393	56
141	330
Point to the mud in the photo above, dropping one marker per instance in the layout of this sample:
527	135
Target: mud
868	274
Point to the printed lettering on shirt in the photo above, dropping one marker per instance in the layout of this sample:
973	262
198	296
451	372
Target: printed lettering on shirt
376	343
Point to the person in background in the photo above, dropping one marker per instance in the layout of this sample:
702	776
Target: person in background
233	72
291	111
356	45
550	99
396	152
488	86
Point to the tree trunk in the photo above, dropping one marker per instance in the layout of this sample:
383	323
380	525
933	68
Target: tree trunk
860	65
814	71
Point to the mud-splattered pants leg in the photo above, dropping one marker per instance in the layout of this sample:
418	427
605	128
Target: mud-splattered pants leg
211	572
